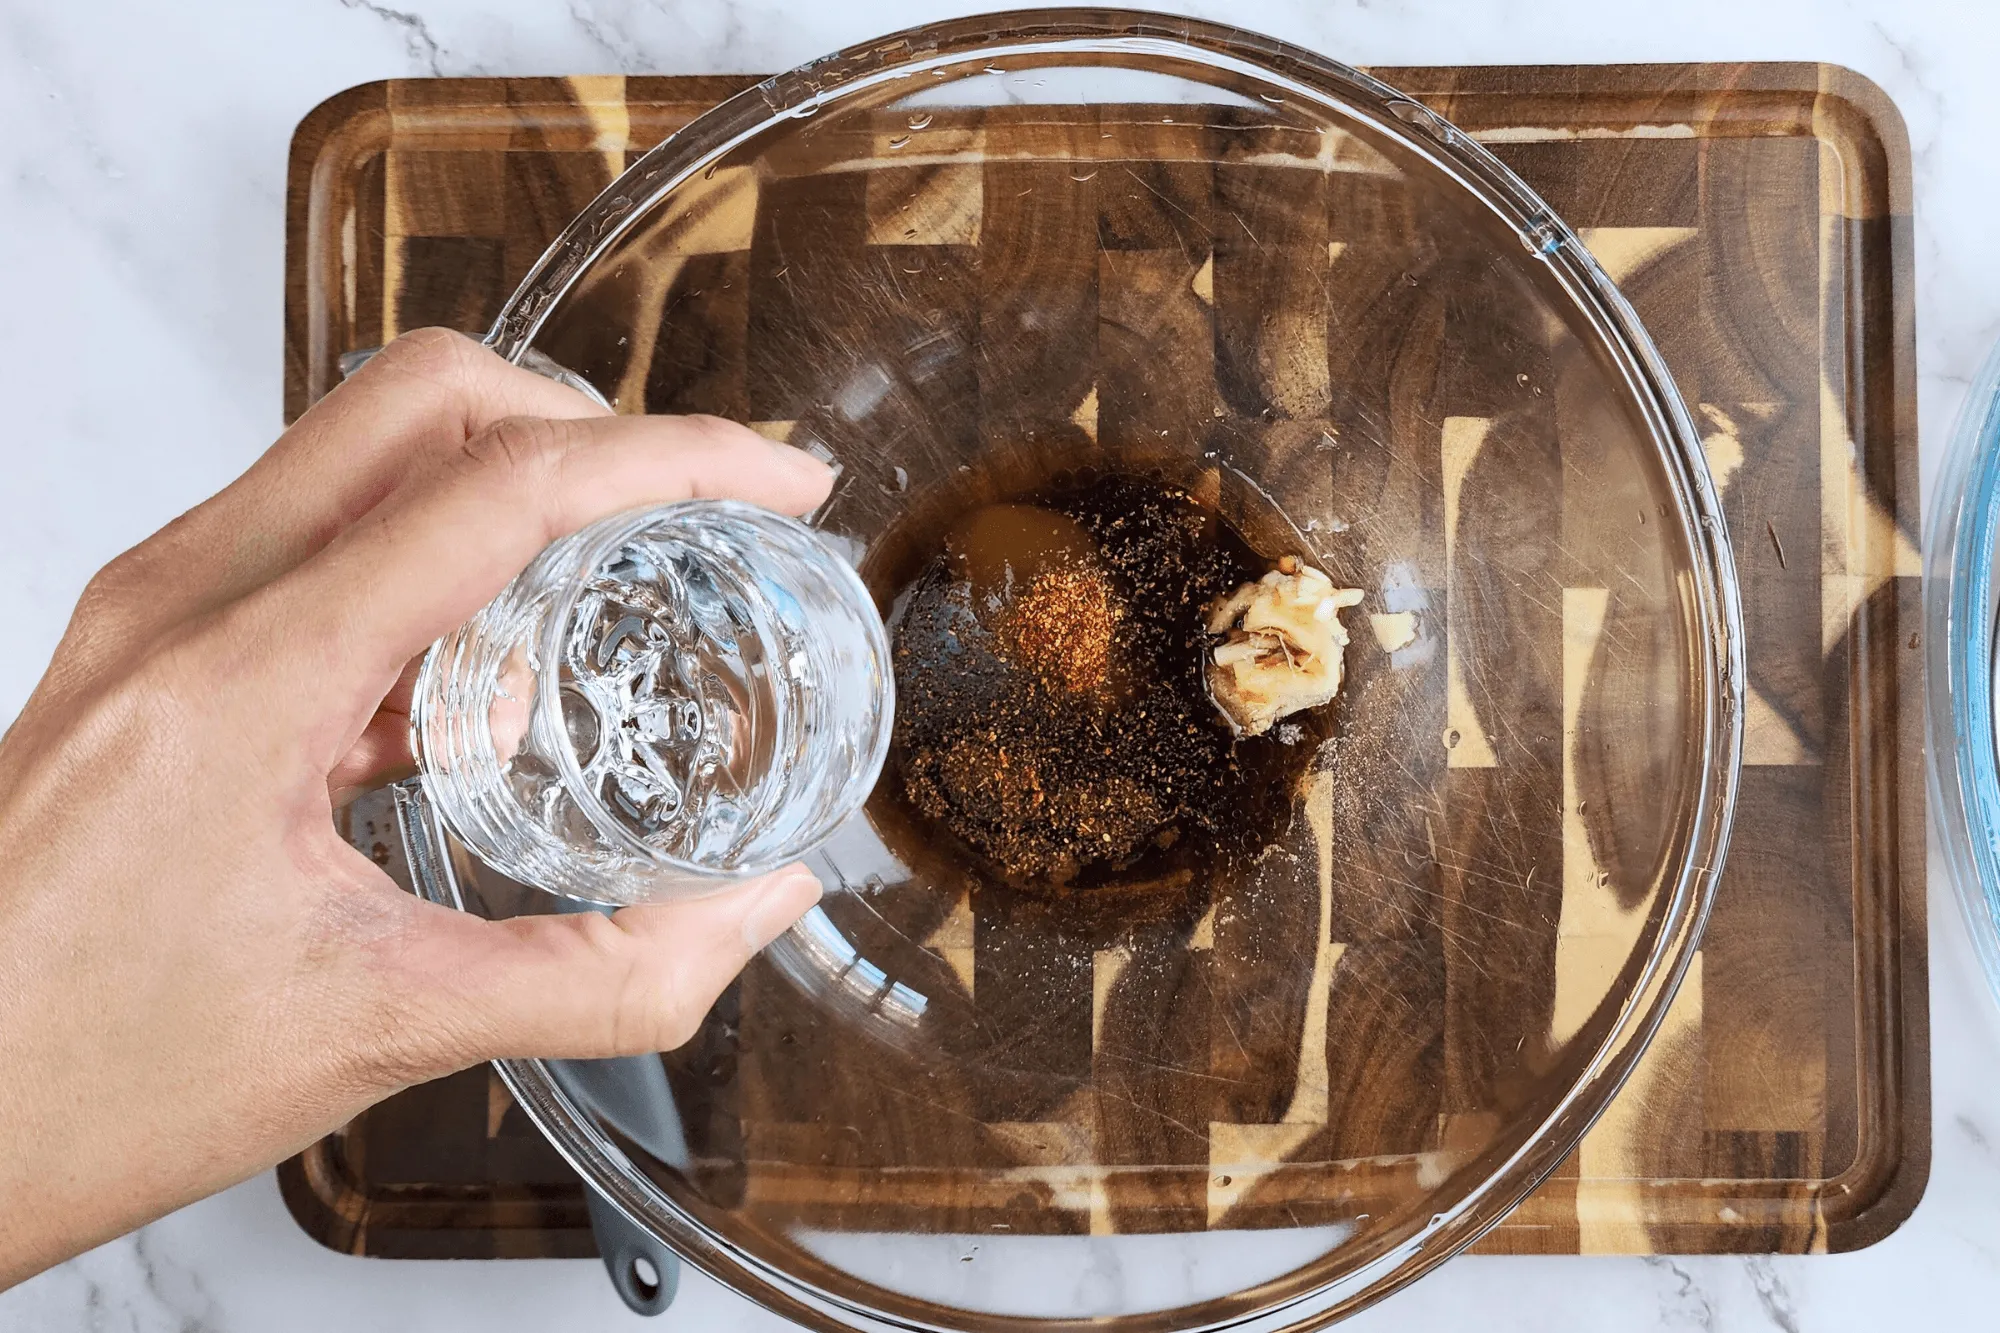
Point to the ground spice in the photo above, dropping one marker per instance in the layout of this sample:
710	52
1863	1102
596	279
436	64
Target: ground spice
1065	629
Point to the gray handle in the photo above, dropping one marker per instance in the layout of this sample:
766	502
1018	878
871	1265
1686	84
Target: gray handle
645	1273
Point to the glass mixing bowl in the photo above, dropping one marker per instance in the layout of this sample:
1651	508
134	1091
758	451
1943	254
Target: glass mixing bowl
985	258
1961	598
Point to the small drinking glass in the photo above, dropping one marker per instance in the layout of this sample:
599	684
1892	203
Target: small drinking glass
666	702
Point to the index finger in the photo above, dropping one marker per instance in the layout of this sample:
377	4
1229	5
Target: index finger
424	561
423	395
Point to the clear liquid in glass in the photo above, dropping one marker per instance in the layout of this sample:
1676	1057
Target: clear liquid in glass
663	703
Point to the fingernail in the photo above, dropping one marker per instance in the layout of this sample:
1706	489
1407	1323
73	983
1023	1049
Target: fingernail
801	462
783	901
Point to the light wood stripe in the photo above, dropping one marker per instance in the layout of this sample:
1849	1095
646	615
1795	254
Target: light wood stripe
1465	740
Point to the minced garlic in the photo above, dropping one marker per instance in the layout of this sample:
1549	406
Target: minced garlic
1282	646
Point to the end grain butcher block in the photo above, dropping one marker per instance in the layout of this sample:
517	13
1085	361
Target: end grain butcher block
1758	216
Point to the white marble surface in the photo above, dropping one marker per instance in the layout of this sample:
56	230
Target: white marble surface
141	246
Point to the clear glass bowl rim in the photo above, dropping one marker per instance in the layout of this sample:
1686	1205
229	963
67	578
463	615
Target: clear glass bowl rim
1714	612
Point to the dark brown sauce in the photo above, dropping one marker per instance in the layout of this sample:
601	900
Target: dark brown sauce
1054	731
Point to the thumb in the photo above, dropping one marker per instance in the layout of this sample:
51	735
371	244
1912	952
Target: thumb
585	985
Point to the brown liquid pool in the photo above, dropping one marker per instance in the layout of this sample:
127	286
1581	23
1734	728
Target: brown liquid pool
1054	730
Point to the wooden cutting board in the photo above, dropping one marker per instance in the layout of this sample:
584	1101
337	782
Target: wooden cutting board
1758	216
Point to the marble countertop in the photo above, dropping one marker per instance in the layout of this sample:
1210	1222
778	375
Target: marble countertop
142	203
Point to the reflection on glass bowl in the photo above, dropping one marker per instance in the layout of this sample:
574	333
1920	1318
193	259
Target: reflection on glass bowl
970	261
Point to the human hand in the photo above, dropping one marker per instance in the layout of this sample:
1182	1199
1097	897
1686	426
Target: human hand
197	976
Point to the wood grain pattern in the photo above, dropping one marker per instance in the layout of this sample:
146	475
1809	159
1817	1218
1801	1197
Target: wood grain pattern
1765	242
